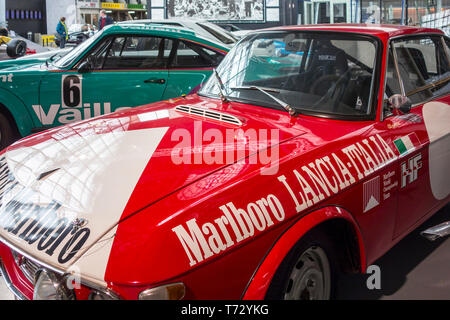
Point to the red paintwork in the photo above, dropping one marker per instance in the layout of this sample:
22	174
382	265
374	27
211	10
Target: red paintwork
146	252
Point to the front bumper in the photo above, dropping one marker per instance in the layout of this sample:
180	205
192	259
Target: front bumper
15	280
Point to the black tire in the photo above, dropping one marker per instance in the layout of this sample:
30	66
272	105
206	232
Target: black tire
7	132
282	286
3	32
16	48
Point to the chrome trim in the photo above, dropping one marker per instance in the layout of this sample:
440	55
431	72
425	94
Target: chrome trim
106	292
210	114
440	231
64	274
28	267
23	253
9	284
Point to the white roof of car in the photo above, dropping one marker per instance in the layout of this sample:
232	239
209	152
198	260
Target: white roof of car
193	24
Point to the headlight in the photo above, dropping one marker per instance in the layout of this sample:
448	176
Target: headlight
173	291
49	286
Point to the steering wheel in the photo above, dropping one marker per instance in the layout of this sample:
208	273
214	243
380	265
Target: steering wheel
336	90
323	80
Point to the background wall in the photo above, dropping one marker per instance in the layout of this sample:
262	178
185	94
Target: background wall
200	9
57	9
16	13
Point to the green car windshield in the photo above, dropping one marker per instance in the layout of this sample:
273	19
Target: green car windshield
319	73
73	55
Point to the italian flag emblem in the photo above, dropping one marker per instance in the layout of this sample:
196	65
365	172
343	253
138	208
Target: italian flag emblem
407	143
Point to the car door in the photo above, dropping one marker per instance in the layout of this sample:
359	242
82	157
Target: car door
122	72
422	136
190	66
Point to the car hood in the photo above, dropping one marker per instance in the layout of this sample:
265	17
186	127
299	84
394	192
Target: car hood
64	189
21	65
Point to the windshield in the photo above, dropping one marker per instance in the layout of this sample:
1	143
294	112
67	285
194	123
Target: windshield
319	73
222	35
73	55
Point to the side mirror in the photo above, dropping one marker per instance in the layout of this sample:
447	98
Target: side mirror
84	67
400	104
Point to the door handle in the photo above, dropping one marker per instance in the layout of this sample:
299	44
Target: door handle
158	81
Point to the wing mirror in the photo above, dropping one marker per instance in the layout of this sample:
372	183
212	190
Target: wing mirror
400	104
84	67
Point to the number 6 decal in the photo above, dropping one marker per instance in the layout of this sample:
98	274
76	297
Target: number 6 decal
71	91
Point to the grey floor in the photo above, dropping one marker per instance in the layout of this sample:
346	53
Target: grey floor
414	269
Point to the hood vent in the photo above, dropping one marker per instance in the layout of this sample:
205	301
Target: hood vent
211	114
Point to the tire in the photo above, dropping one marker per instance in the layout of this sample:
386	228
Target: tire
7	132
16	48
308	272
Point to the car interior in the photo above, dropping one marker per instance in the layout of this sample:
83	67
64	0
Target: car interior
342	81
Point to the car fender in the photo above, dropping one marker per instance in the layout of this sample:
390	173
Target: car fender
258	285
18	110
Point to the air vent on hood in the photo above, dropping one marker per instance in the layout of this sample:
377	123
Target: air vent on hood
211	114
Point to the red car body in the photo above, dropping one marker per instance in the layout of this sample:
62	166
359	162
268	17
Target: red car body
223	230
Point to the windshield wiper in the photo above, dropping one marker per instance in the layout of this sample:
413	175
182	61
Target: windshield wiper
266	91
221	87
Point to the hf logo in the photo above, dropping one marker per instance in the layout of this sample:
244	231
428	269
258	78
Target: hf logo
410	169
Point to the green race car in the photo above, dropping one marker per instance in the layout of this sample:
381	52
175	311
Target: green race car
122	66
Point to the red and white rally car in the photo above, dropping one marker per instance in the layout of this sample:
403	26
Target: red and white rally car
312	151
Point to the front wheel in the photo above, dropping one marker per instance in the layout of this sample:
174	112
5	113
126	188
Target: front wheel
7	133
307	272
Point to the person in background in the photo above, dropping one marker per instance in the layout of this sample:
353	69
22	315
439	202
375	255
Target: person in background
104	20
61	29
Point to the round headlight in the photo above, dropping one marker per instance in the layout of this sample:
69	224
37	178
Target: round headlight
49	286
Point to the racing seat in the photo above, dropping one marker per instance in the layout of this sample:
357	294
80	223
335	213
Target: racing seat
327	65
327	60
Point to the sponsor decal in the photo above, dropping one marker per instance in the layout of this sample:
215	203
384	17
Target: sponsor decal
371	194
410	170
214	237
71	108
155	28
38	225
71	91
436	116
7	78
315	181
389	182
68	115
407	143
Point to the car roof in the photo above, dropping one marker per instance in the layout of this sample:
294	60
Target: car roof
383	30
181	20
164	30
151	27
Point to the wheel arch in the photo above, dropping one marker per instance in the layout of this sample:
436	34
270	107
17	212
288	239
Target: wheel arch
334	220
15	110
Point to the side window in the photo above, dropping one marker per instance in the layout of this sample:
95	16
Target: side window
138	53
392	81
421	63
97	57
189	55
